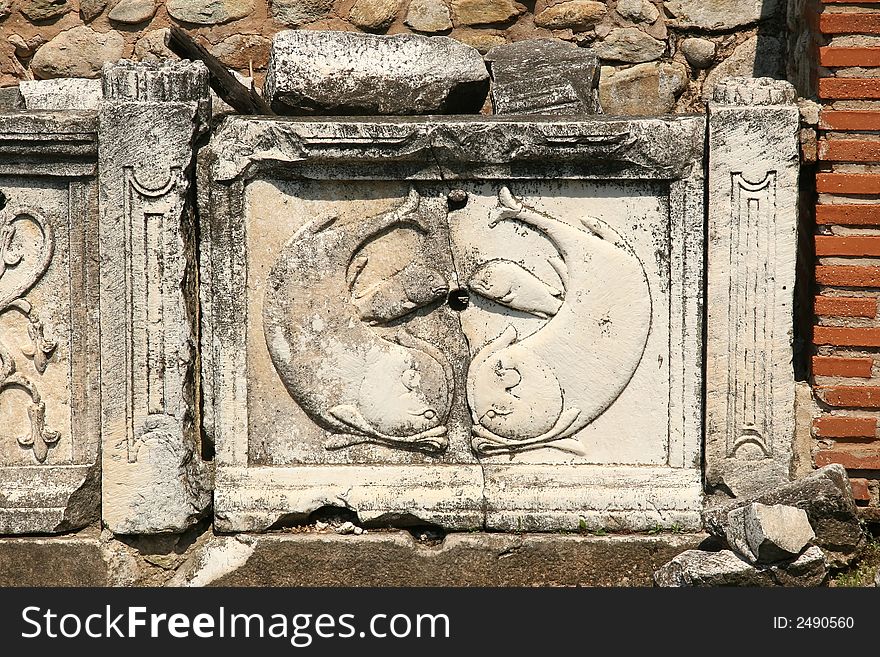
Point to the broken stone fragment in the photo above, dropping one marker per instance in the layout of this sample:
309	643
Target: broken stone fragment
220	556
826	497
698	568
720	14
776	532
79	52
809	569
735	534
428	16
642	90
61	94
344	73
374	15
543	76
577	15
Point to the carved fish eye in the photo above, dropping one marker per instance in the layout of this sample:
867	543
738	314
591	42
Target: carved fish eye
430	414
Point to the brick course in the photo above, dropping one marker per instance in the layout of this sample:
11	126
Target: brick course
846	334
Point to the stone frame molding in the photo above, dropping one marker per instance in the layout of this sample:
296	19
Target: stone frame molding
528	497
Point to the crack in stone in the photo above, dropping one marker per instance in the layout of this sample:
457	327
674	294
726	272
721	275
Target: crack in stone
458	284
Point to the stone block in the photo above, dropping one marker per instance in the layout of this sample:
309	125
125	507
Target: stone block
753	187
132	12
642	90
724	568
543	76
58	561
61	94
153	476
49	342
720	15
809	569
79	52
699	568
333	73
576	15
826	497
629	44
360	339
776	532
396	559
428	16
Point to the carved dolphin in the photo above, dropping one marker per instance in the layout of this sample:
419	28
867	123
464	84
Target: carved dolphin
580	361
349	379
516	287
415	286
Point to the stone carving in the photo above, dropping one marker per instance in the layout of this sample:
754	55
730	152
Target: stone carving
153	478
753	174
49	341
749	422
374	381
532	392
469	322
366	386
21	268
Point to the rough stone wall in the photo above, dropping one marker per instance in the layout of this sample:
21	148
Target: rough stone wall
847	244
659	57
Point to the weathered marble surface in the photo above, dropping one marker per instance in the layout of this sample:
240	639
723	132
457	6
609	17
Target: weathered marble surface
154	479
347	73
477	328
753	189
49	377
543	76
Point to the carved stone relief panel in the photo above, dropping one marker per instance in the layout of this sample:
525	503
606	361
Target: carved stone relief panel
497	332
49	379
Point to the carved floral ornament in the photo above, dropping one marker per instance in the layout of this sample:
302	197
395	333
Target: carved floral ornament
21	266
346	352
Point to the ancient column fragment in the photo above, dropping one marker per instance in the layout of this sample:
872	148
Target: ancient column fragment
154	478
753	178
49	376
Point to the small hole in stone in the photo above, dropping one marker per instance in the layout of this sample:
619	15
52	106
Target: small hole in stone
2	200
458	299
457	199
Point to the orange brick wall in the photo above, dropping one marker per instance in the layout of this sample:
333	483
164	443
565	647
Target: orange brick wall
846	334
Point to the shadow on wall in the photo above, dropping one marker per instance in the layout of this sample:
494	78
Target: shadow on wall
772	47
